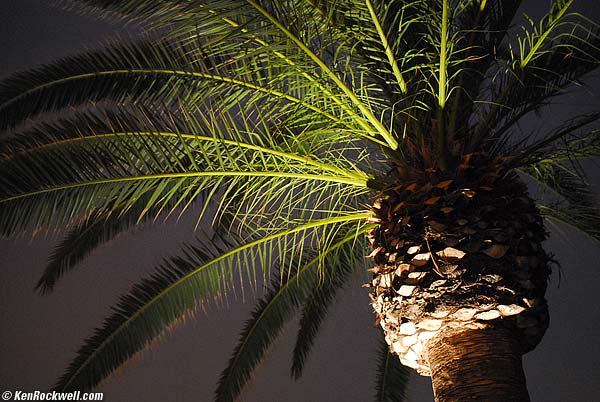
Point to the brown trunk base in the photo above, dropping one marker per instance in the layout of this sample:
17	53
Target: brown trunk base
477	365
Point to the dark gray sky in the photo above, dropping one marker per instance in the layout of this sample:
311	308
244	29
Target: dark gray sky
39	335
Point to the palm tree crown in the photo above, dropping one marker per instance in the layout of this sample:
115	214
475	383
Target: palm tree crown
285	125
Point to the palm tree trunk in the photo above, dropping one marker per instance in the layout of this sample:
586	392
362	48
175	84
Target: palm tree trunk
477	365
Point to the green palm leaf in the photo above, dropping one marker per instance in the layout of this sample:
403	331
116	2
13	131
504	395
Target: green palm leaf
154	72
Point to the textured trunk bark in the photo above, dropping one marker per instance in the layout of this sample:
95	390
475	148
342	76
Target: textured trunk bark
477	365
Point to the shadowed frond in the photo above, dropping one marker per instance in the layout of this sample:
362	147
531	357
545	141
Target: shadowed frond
138	11
552	56
267	320
140	72
571	199
582	218
392	377
485	26
100	228
286	294
574	139
338	267
556	165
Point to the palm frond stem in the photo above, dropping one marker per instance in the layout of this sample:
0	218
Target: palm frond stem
388	49
443	73
442	136
335	179
199	138
542	38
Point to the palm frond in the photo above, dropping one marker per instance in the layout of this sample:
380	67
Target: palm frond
566	179
134	72
386	44
392	377
152	72
533	43
552	74
484	26
183	284
497	17
574	139
56	174
329	73
286	294
582	218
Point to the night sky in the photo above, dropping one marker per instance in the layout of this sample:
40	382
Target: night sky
40	335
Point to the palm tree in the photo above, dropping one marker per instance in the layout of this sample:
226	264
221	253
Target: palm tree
301	131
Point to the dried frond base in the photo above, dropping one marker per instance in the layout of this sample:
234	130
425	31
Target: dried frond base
458	252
